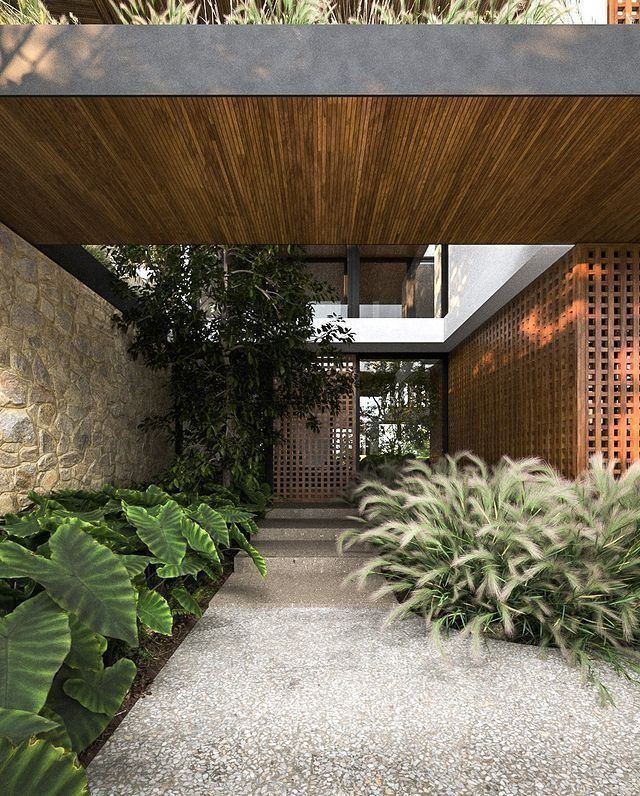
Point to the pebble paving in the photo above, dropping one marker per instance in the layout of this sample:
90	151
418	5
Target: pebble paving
327	701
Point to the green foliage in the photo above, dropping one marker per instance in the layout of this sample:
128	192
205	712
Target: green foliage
34	641
513	552
79	572
357	12
28	12
38	767
172	12
231	329
186	601
154	612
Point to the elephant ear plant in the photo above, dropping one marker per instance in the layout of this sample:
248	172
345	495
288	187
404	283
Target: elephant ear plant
513	552
83	575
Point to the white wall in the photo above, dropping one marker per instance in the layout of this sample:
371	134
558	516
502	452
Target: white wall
405	331
482	279
590	12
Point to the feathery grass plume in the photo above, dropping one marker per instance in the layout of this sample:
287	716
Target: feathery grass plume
139	12
513	552
29	12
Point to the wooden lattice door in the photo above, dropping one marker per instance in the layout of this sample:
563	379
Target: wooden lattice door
316	466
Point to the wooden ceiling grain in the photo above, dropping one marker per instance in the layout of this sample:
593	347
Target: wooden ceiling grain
320	170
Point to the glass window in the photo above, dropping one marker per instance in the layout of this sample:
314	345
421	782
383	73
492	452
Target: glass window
334	275
381	289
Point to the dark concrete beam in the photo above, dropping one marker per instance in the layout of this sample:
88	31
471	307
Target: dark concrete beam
425	60
78	262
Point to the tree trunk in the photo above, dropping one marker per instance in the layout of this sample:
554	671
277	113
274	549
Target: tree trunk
230	424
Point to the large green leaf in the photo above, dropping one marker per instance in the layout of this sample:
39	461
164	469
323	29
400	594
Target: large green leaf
90	581
83	576
241	540
187	601
213	522
199	540
18	562
152	496
102	692
34	641
160	530
18	725
87	647
83	726
154	612
36	768
234	514
22	526
58	736
135	565
190	565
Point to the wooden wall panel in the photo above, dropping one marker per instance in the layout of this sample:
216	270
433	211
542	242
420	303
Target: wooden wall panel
556	373
512	382
623	12
318	466
610	357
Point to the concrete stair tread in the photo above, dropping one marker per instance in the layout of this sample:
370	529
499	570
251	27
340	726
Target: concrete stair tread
310	511
336	523
315	589
311	548
294	566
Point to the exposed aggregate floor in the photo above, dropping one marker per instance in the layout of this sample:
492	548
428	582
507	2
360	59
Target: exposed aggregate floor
325	701
284	691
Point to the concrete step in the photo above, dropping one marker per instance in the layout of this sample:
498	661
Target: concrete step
297	557
311	511
302	530
297	548
314	589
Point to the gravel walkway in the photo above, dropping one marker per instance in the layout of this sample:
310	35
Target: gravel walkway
293	686
325	701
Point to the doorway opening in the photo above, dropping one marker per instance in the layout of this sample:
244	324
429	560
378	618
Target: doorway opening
401	409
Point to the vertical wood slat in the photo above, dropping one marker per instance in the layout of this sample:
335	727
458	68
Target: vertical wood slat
318	466
512	384
556	373
623	12
612	355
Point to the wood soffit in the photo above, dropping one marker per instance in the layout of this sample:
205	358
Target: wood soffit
320	170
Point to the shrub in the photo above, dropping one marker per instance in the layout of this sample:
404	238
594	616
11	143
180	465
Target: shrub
82	576
514	552
310	12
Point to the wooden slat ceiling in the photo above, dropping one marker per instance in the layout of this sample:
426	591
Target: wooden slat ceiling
321	170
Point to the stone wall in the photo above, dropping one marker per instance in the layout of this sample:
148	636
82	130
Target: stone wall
71	398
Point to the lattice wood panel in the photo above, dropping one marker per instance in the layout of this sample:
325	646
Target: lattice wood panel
512	383
609	364
624	12
309	465
556	373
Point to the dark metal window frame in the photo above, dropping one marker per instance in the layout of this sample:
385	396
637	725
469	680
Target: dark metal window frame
353	269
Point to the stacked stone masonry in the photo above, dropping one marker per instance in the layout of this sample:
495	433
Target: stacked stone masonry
71	398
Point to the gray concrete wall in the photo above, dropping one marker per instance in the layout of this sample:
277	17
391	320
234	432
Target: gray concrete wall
324	60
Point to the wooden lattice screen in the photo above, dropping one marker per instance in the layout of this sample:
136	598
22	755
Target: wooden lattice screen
309	465
556	373
609	359
623	12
